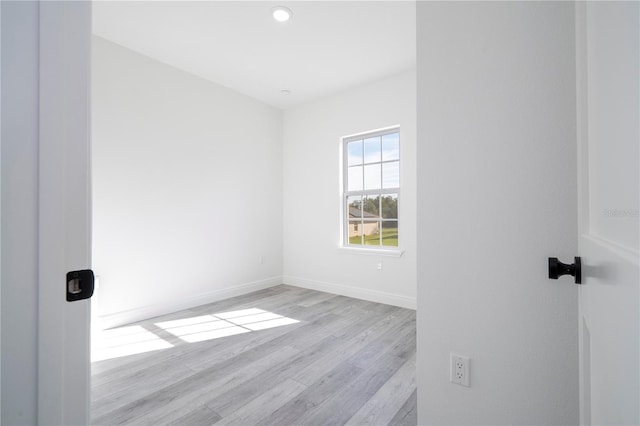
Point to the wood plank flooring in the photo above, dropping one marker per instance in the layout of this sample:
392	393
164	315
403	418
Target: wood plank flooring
280	356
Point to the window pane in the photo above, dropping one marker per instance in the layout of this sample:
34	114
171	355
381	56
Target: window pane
371	231
354	153
355	232
372	175
354	206
354	178
372	150
390	234
391	147
391	175
371	207
389	206
370	215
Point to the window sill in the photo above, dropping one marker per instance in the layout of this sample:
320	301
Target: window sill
372	251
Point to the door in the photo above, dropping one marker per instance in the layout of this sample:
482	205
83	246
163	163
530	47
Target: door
64	211
608	59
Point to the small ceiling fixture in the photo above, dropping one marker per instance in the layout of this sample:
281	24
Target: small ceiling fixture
281	13
285	91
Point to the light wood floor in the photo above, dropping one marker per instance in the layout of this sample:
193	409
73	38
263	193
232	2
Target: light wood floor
344	361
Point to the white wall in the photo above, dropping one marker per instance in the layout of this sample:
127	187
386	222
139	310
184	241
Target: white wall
187	188
19	212
312	200
497	196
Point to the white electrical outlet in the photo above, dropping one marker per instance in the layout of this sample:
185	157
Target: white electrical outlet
460	370
379	265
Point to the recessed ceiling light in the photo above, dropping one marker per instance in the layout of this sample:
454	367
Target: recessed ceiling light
285	91
281	13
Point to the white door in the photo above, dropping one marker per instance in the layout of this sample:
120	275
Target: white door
608	65
64	211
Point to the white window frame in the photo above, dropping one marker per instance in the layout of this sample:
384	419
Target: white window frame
395	251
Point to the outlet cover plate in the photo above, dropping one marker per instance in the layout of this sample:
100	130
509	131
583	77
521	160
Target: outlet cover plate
460	370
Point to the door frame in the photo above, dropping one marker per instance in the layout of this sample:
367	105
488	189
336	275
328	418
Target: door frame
64	211
583	201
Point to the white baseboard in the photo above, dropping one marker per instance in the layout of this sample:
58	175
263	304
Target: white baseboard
350	291
145	312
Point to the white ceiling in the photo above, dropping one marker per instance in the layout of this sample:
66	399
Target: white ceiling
327	47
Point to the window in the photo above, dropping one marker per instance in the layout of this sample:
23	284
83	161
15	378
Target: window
371	189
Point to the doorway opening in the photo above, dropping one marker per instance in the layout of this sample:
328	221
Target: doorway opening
217	210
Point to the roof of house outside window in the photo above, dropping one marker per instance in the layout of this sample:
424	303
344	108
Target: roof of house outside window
353	212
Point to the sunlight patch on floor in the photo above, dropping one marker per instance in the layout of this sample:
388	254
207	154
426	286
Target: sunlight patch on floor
123	341
136	339
214	326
